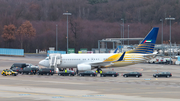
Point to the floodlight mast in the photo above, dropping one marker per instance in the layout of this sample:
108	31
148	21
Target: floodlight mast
67	14
170	34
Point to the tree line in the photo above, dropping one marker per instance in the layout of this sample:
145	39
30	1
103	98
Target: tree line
91	20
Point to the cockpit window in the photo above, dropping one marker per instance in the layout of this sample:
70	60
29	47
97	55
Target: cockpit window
47	58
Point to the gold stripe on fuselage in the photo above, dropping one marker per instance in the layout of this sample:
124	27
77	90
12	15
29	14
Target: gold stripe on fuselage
129	59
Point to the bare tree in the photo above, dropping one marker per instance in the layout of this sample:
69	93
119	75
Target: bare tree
76	29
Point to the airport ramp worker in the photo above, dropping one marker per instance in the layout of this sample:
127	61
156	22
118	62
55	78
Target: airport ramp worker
96	71
101	72
65	70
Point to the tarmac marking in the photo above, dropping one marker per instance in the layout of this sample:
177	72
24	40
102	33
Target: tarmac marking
24	94
47	81
62	96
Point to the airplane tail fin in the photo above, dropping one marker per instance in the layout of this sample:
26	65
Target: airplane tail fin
148	43
116	50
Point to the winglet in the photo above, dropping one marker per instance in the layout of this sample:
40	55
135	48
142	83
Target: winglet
116	50
122	57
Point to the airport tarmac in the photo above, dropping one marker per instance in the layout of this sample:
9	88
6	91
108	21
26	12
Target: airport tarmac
65	88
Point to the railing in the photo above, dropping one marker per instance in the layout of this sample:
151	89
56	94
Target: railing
60	52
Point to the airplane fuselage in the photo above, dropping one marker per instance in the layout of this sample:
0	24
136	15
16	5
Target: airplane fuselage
72	60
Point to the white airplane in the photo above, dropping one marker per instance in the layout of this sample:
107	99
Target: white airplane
143	52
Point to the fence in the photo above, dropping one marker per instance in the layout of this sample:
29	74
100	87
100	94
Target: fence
60	52
12	52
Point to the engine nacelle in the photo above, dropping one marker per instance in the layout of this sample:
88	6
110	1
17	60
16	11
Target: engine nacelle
83	67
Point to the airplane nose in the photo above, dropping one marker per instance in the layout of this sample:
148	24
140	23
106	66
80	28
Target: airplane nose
41	63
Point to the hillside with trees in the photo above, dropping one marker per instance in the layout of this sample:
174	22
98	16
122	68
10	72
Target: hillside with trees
31	24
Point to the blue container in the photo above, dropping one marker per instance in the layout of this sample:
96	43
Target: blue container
8	51
178	58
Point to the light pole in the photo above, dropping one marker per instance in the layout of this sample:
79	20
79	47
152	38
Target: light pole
123	31
67	27
128	34
56	37
162	37
121	36
162	31
170	33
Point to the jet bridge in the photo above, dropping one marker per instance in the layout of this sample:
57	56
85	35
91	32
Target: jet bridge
55	61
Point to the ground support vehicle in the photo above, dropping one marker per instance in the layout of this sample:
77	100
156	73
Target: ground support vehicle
9	72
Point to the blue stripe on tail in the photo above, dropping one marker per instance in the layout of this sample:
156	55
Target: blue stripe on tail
122	57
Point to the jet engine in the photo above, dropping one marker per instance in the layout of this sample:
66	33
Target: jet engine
83	67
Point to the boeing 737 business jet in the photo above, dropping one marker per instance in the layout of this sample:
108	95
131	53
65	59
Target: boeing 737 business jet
143	52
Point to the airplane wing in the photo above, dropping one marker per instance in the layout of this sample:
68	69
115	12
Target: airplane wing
108	62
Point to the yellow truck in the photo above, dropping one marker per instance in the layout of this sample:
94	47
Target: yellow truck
8	72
